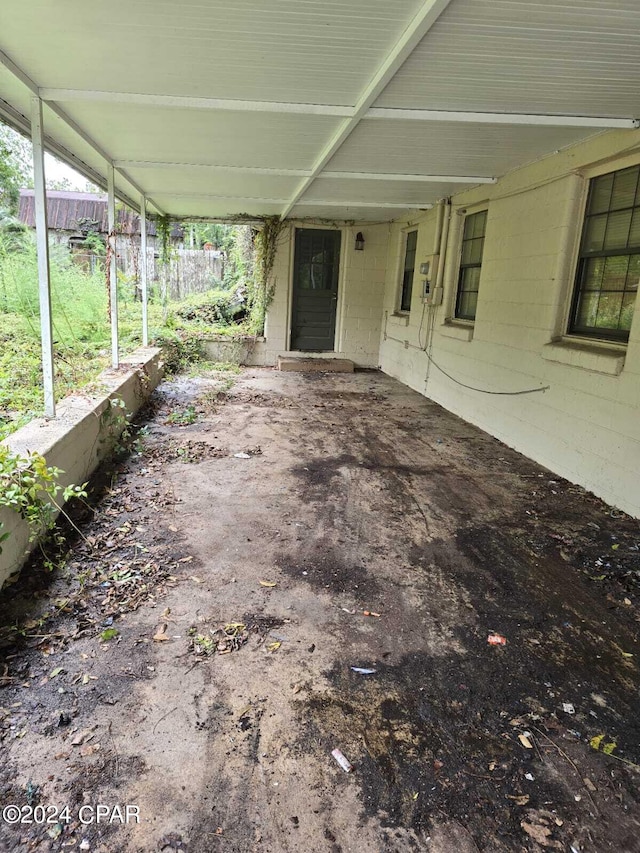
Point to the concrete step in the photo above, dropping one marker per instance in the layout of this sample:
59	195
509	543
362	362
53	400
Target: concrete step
294	364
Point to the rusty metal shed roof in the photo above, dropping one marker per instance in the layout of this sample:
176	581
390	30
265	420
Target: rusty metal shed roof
78	211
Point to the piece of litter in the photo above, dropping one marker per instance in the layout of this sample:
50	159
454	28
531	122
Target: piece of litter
370	613
342	761
529	776
362	671
524	740
496	640
568	708
242	455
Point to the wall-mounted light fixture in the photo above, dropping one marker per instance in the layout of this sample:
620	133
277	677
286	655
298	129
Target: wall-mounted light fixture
359	242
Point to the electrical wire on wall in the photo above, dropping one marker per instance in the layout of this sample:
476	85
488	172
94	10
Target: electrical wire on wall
427	347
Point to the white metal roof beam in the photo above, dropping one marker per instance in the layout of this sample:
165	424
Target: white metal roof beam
190	103
500	118
52	96
306	203
422	22
24	78
302	173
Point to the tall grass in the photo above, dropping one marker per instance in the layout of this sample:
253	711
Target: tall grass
81	328
81	325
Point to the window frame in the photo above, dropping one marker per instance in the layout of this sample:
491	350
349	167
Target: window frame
619	337
457	316
402	271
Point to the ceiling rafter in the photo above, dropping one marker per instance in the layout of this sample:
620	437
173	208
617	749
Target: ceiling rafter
422	22
316	202
53	96
26	81
302	173
191	103
501	118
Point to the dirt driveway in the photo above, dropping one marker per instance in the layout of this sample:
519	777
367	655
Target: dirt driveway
197	655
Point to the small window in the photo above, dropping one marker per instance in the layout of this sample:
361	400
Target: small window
609	262
408	270
470	264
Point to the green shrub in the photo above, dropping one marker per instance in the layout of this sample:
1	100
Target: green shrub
212	308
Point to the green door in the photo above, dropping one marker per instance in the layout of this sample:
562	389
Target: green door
315	289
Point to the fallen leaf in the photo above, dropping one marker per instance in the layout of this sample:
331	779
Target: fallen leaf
185	559
195	579
519	799
273	647
161	636
524	740
268	583
539	833
56	671
89	749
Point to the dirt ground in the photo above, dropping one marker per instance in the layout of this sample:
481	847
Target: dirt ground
194	653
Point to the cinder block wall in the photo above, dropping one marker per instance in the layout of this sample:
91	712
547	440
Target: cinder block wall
586	427
360	296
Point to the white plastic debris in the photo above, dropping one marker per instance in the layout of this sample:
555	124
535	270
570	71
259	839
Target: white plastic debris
342	761
361	671
568	708
529	776
242	455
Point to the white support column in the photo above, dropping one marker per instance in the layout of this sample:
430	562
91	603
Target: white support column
143	271
42	240
113	270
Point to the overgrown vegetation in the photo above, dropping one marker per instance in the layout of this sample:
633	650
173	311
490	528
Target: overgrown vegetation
235	306
30	487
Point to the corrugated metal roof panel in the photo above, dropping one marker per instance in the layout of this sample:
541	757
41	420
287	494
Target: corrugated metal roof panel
317	51
580	57
351	213
439	148
187	180
391	192
205	136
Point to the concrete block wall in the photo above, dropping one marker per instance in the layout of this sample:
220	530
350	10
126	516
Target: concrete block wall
586	426
78	439
360	297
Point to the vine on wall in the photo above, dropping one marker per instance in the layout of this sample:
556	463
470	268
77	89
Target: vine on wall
263	285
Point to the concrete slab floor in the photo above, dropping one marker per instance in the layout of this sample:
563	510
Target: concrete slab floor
352	495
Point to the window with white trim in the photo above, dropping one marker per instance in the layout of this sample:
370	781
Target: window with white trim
406	284
475	225
608	271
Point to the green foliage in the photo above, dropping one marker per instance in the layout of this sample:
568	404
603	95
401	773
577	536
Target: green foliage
212	308
263	285
16	169
30	487
183	417
180	349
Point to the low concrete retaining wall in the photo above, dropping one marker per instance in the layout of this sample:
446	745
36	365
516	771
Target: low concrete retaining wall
230	350
80	437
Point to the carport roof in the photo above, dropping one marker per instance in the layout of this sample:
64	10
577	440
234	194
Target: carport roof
360	110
